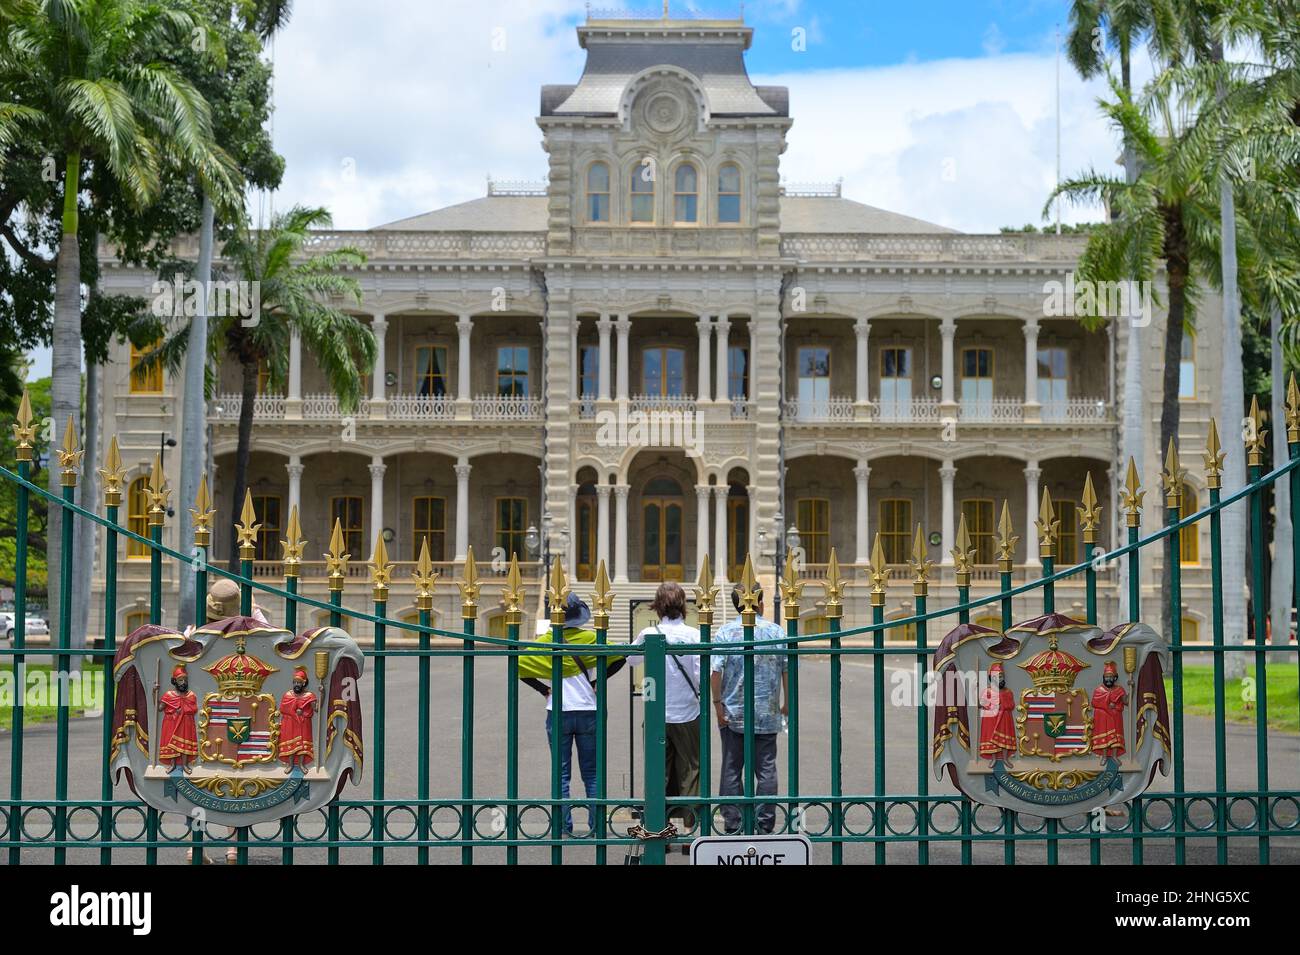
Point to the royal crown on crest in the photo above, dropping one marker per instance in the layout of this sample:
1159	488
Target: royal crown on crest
240	674
1053	670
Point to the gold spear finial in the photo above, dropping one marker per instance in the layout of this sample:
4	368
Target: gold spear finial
920	565
469	587
706	592
1292	411
1172	477
1007	540
1214	455
1130	499
1089	511
791	589
381	569
558	592
202	512
963	554
112	474
424	577
748	594
834	587
879	573
158	494
602	599
247	528
1255	435
1048	526
70	455
513	595
24	430
336	561
292	545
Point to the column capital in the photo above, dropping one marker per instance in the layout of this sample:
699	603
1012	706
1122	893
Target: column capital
720	490
463	470
862	472
723	323
1032	471
948	326
295	470
704	327
621	490
602	490
376	470
604	323
379	322
702	490
623	325
861	327
464	324
1031	328
948	472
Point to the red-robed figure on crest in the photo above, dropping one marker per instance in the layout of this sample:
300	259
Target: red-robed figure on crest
1108	702
297	710
997	733
178	737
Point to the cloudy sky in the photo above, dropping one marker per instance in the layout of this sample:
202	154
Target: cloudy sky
944	110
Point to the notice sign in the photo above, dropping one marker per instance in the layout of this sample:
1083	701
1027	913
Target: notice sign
784	849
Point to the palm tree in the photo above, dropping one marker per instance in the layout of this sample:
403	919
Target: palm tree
86	70
294	292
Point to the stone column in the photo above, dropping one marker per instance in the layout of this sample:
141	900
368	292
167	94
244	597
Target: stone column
575	377
948	332
462	468
862	330
947	475
463	395
602	524
1032	474
702	492
1032	408
378	392
293	403
720	532
862	551
604	326
620	532
624	327
295	469
703	391
720	385
377	469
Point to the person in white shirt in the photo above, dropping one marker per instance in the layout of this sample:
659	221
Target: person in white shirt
682	697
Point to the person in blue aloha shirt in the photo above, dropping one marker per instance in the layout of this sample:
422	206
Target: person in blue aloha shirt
770	706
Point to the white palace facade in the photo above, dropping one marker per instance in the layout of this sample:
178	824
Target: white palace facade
814	362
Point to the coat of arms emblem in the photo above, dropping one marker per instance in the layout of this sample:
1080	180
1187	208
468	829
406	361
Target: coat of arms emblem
237	728
1052	718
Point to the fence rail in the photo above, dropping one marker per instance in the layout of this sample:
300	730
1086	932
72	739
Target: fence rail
888	820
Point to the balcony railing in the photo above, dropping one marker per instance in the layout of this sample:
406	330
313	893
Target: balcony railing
992	411
321	407
265	407
740	409
421	407
507	408
648	403
820	409
913	409
1076	409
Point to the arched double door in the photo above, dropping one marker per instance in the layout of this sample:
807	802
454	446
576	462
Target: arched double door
662	518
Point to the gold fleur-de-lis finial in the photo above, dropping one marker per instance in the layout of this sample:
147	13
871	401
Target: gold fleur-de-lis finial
834	587
1172	477
1089	511
424	577
748	594
1214	455
70	455
158	494
336	561
963	555
1255	434
381	569
247	528
602	600
112	474
706	592
24	430
879	573
558	593
1130	499
202	512
791	589
1007	540
513	594
292	545
1048	526
1292	411
920	565
469	587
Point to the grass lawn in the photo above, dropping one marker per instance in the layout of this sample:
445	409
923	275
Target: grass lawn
1283	696
41	699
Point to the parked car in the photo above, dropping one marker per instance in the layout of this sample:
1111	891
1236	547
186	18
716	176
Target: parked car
36	626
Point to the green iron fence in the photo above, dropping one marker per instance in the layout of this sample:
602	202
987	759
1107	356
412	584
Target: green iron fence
889	823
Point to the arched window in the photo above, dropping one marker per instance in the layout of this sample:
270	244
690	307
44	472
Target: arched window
643	191
729	193
598	192
145	381
1189	537
686	194
137	516
1187	368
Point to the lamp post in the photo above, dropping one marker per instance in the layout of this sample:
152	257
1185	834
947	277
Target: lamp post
786	542
164	443
539	542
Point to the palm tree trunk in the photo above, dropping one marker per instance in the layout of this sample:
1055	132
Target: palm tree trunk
1176	268
65	368
1281	581
193	453
242	452
84	533
1133	429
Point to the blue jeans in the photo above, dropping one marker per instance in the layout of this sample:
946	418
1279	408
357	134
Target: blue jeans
576	726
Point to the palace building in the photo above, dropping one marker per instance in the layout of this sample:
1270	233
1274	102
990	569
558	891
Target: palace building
661	352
